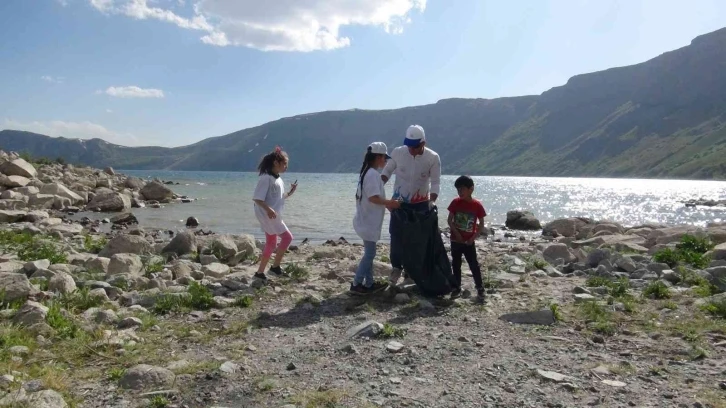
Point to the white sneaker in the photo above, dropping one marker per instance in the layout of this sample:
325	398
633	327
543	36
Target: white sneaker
395	276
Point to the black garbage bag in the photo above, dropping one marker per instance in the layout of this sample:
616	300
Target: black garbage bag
423	253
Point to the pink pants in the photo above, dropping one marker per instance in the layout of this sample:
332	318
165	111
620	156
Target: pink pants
271	243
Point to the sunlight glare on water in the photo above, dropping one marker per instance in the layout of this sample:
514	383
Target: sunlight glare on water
324	204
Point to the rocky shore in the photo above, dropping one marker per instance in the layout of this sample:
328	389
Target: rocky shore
587	313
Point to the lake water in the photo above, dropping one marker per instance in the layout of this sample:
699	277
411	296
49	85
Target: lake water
324	204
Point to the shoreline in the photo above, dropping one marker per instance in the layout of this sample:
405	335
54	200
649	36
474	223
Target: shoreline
135	317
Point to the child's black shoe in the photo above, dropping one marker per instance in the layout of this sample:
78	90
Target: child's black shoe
261	276
376	287
357	290
277	271
456	293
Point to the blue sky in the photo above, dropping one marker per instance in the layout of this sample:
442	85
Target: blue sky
173	72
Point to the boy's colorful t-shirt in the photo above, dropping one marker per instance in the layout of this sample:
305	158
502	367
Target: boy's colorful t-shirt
466	213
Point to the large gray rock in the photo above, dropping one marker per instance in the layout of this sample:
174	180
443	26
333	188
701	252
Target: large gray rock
366	329
62	283
632	241
13	181
147	377
719	252
157	191
597	256
125	264
11	216
18	167
181	270
30	313
566	227
46	399
99	264
626	263
558	251
611	228
134	183
246	244
718	276
59	189
224	247
126	244
522	220
182	244
216	270
41	201
16	286
110	202
13	195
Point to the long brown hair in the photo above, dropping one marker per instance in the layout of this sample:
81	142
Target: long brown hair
268	161
368	161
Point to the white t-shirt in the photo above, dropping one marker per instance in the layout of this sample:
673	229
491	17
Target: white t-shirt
368	219
271	190
416	176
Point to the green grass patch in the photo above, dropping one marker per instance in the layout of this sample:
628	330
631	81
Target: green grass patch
656	290
92	245
115	374
200	298
64	326
80	300
319	399
159	401
390	331
716	308
297	272
244	301
691	250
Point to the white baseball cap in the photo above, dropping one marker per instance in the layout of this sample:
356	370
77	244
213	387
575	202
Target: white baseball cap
379	148
414	136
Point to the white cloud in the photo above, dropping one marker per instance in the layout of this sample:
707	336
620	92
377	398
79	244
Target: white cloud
81	130
63	3
109	111
279	25
132	92
52	80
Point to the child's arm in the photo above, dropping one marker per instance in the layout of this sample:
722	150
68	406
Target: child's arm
270	212
454	231
391	204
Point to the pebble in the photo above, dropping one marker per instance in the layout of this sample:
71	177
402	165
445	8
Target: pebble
394	347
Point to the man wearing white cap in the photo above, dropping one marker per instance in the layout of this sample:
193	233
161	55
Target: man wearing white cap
418	180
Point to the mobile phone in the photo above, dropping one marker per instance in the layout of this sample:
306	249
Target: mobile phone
295	182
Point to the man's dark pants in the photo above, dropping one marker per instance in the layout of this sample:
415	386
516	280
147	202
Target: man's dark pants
393	230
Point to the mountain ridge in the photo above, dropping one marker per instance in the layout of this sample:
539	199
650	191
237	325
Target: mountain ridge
662	118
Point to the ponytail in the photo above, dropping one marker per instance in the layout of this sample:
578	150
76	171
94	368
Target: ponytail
367	163
268	161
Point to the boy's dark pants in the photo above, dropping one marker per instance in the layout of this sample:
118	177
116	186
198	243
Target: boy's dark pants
469	252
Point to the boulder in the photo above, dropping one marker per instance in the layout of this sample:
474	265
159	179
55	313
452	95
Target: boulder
124	219
597	256
558	251
46	399
610	240
182	244
99	265
28	191
566	227
611	228
157	192
216	270
11	216
30	313
192	222
366	329
67	229
181	270
62	283
13	181
41	201
109	171
16	286
59	189
36	216
522	220
110	202
18	167
224	247
126	244
125	264
719	252
134	183
246	243
147	377
718	277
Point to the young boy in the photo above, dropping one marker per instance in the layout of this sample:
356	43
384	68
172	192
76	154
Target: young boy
466	220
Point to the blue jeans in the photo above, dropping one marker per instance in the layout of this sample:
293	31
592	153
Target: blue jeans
396	255
364	274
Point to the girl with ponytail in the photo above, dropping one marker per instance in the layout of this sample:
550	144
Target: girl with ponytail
371	202
269	198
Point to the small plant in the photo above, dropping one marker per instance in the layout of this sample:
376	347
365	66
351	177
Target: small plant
244	301
667	256
597	281
65	327
297	272
116	373
80	300
200	297
670	305
538	263
690	251
154	266
158	401
168	303
385	259
689	243
41	283
555	308
390	331
594	312
606	328
94	246
716	308
656	290
619	288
